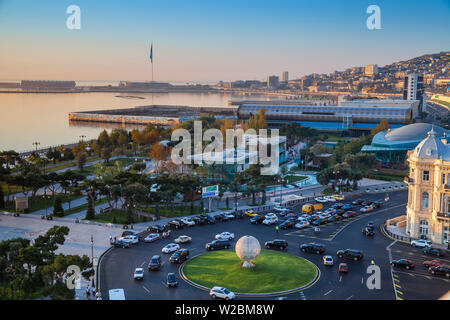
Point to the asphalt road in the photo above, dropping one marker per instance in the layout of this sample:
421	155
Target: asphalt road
117	266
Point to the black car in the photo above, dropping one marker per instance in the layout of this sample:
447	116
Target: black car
121	244
129	233
313	248
177	224
218	245
220	217
208	219
340	212
368	231
357	202
377	204
179	256
155	263
238	215
257	219
434	252
157	228
403	263
319	221
337	205
198	220
351	254
287	224
171	280
441	270
367	203
279	244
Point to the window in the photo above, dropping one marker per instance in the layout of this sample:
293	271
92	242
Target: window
425	200
423	229
426	175
443	178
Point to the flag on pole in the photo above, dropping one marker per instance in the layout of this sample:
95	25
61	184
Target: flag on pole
151	53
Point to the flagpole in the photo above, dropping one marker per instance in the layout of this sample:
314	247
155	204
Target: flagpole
152	61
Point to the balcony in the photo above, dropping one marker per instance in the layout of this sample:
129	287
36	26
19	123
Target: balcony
443	216
447	187
409	180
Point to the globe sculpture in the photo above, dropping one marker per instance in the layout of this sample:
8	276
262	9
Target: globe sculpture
248	249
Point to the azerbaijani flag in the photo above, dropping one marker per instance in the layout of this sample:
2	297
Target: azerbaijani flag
151	53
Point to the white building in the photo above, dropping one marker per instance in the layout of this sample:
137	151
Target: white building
371	70
413	89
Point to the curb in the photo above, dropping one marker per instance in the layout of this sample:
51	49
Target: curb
256	295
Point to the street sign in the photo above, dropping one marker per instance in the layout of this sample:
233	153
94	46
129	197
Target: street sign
211	191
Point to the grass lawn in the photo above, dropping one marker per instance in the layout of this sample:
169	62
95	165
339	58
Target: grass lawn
275	271
39	203
108	217
89	170
82	207
292	179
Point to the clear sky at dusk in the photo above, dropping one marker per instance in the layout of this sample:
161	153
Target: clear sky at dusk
212	40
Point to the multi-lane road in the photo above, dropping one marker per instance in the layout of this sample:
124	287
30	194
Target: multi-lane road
117	266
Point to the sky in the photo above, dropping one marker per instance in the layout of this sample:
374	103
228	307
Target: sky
208	41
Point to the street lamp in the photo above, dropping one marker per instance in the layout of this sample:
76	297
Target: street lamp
82	137
36	143
386	200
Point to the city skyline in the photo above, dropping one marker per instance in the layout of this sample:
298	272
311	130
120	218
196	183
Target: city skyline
242	41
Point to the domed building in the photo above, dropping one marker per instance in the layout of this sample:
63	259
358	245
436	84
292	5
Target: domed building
428	209
393	145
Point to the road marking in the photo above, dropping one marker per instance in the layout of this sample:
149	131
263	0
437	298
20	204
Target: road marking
362	280
163	284
328	292
142	263
146	289
349	297
398	298
396	280
340	278
398	286
388	248
399	292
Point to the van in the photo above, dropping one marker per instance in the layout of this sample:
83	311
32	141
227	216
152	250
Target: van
308	208
116	294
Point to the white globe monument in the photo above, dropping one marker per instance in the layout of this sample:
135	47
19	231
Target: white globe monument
248	249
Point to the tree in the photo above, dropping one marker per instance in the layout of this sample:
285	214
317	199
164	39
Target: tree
103	139
158	153
58	210
382	126
90	212
106	154
2	198
81	160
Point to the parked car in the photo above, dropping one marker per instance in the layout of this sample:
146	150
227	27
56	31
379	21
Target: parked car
302	225
338	197
433	263
270	215
218	245
340	212
223	217
377	204
349	214
334	218
368	231
198	220
222	293
152	237
330	199
366	209
138	274
251	213
238	215
352	254
440	270
347	206
171	247
280	209
157	228
129	233
434	252
270	220
287	224
319	221
257	219
421	243
229	215
209	219
366	203
177	224
321	199
328	260
357	202
155	263
224	236
132	239
402	263
277	243
121	244
219	217
171	280
313	247
179	256
183	239
343	268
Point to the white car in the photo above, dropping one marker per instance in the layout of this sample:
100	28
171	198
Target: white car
130	239
302	224
152	237
188	221
421	243
270	220
330	199
183	239
280	209
222	293
225	236
328	260
138	274
330	211
321	199
229	215
366	209
270	215
171	247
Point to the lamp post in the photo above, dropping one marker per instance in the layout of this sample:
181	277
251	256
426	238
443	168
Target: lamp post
92	249
82	137
386	200
45	197
36	143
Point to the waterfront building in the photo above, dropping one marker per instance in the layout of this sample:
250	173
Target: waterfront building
428	209
273	82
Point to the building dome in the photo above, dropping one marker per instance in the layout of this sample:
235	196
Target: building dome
415	131
248	248
431	147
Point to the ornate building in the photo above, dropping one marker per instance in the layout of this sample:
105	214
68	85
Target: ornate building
428	209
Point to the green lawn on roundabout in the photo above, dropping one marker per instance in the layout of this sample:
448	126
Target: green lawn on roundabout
274	271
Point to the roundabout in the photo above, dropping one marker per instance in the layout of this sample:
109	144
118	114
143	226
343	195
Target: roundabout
274	272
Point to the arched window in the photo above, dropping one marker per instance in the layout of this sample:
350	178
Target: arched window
425	200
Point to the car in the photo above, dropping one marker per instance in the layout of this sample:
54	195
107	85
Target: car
129	233
251	213
338	205
328	260
121	244
368	231
319	222
224	236
351	254
198	220
171	280
440	270
403	263
218	245
222	293
349	214
188	221
270	215
433	263
371	224
313	247
179	256
338	197
434	252
157	228
334	218
132	239
343	268
366	209
257	219
277	243
286	224
138	274
302	225
229	215
340	212
366	203
155	263
152	237
280	209
171	247
321	199
330	199
324	215
220	217
238	215
357	202
177	224
330	211
347	206
208	219
421	243
270	220
377	204
183	239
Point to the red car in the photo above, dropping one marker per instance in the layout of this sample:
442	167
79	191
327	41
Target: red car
343	268
432	263
349	214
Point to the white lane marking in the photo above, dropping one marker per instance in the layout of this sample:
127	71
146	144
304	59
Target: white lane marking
328	292
349	297
165	285
362	280
388	248
340	278
146	289
142	263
